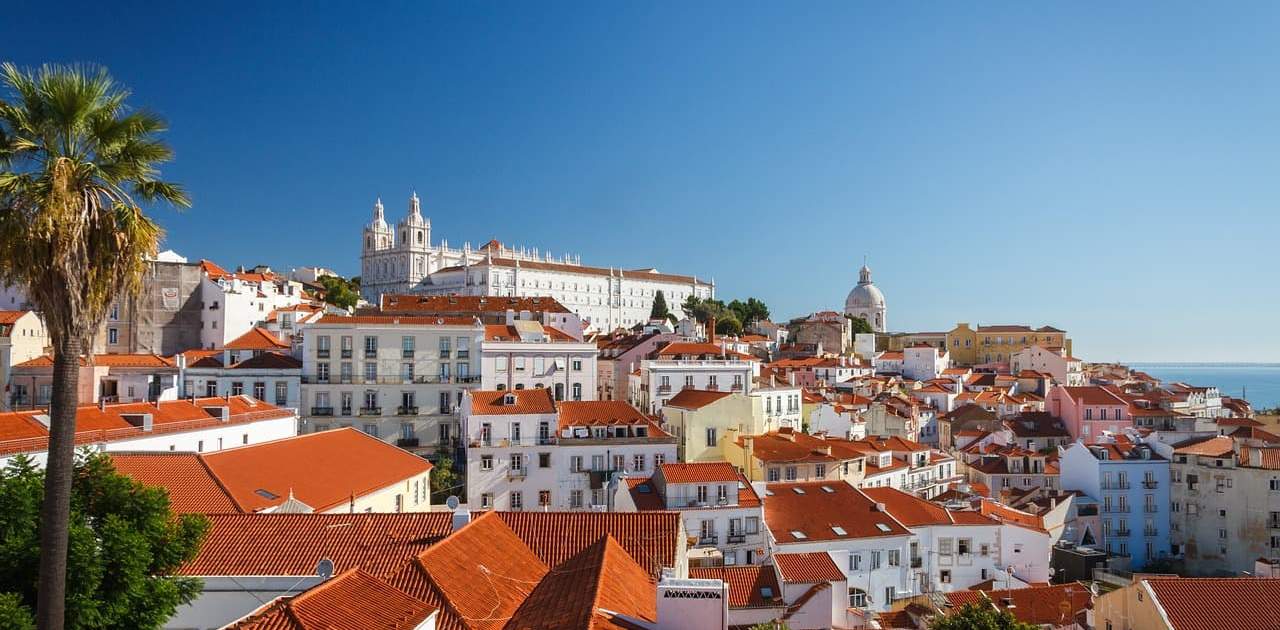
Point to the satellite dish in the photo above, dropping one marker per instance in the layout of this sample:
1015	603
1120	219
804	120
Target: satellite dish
452	502
324	568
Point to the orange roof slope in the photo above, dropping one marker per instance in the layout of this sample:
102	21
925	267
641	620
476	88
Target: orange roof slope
694	399
107	360
354	600
808	567
256	339
650	538
290	544
747	584
811	511
402	303
579	413
525	401
699	472
1237	603
323	470
484	572
192	488
600	577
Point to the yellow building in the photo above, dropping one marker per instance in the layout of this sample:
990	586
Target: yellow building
787	456
702	420
996	344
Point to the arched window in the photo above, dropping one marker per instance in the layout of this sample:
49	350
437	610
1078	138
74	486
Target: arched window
369	242
502	387
419	237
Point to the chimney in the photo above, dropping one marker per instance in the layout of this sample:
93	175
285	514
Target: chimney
711	329
880	507
1255	458
460	519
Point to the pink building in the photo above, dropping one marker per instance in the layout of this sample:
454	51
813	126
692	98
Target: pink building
1088	411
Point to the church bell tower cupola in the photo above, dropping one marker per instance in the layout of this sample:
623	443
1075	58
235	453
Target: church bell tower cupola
378	235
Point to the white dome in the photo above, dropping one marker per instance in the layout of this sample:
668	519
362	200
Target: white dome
864	296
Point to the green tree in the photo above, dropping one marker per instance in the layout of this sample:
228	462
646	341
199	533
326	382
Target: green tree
126	545
980	617
728	324
860	324
445	480
659	310
339	292
75	161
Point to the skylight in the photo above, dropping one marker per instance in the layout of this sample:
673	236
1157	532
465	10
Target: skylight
839	530
766	592
799	490
828	489
798	535
266	494
882	527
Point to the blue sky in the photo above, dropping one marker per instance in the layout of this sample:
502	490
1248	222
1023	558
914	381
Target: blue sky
1107	168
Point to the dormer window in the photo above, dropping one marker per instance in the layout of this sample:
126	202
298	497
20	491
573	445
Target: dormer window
508	399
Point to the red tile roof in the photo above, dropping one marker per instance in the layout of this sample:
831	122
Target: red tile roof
20	432
699	472
813	508
291	544
583	413
256	339
107	360
1055	605
353	600
600	578
1269	457
747	584
510	402
190	485
913	511
678	348
1217	446
1006	514
1236	603
807	567
269	361
324	470
787	445
650	538
1094	395
694	399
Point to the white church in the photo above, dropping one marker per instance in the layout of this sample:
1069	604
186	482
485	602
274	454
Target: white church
404	260
866	301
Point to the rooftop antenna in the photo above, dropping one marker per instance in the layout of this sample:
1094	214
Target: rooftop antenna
324	569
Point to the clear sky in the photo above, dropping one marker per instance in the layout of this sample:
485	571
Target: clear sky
1107	168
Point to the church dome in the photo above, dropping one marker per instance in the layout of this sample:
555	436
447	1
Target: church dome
865	295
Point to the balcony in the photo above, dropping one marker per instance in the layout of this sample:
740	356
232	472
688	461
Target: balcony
445	354
916	563
736	539
407	411
713	387
1150	484
322	411
484	442
371	411
1149	533
463	354
664	389
1273	523
370	354
708	539
407	442
517	473
1150	509
1124	533
406	354
1115	485
736	387
322	353
346	411
346	353
546	440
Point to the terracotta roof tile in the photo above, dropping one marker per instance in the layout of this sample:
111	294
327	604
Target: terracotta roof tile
584	413
190	485
650	538
107	360
1237	603
804	512
434	304
256	339
600	577
699	472
519	401
694	399
353	600
1038	605
747	584
1217	446
269	361
291	544
324	470
400	320
807	567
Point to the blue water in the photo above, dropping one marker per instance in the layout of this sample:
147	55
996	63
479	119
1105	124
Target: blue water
1261	380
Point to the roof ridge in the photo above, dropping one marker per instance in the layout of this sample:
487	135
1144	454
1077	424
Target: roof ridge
218	480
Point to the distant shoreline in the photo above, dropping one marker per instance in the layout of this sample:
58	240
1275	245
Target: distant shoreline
1202	364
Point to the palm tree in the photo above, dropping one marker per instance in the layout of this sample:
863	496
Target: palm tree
74	163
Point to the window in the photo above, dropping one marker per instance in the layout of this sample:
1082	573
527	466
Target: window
945	576
486	500
237	388
517	500
820	471
855	561
260	391
371	429
445	353
775	474
575	499
544	498
791	473
895	557
282	393
370	347
875	560
753	525
517	462
486	462
890	593
637	462
577	391
711	437
857	598
113	336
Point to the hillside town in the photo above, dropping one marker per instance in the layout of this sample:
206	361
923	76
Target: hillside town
493	436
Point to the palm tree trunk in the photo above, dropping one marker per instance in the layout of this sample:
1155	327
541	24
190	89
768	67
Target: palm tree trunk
55	511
